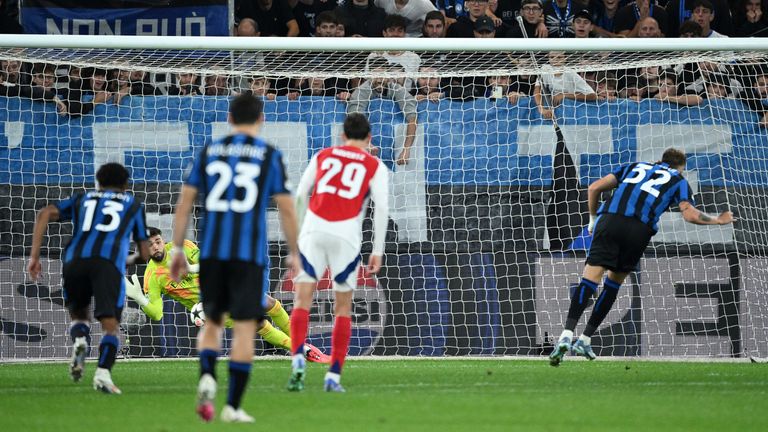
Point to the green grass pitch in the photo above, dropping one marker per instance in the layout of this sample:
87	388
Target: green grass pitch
402	395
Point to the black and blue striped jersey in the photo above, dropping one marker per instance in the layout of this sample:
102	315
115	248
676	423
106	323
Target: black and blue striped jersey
103	224
645	191
237	176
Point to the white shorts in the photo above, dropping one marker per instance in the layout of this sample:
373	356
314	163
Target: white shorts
319	251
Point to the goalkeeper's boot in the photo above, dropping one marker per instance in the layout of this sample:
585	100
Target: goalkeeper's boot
332	383
583	349
231	415
79	351
102	381
314	355
296	382
562	347
206	393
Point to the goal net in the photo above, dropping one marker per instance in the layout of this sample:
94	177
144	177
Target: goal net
487	233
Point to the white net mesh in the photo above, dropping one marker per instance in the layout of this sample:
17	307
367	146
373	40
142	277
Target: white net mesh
487	231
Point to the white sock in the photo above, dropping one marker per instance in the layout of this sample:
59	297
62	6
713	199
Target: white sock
297	361
333	376
566	333
586	339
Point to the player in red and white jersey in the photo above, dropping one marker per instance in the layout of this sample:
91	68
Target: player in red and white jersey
340	180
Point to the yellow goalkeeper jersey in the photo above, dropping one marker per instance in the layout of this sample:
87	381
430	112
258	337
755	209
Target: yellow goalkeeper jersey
158	282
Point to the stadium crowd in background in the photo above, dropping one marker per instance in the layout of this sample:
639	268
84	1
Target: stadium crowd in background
77	92
553	18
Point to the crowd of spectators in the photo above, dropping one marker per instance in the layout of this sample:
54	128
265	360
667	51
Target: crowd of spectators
543	18
76	92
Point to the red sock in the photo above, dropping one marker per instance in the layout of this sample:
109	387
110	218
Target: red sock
299	323
342	332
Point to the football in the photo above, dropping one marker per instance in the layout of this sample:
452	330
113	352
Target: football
197	315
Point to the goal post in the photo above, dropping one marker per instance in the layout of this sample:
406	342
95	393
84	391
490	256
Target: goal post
488	205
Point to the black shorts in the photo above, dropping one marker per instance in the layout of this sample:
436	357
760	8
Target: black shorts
98	278
618	243
236	287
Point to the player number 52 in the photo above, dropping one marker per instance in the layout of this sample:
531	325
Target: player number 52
660	177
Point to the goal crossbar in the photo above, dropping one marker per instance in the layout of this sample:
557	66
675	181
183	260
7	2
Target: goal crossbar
381	44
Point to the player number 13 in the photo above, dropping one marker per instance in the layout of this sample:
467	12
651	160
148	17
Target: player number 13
110	208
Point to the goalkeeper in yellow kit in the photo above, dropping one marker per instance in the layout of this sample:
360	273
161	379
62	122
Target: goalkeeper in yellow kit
157	282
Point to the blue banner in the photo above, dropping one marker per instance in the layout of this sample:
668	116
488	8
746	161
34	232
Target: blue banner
482	142
169	18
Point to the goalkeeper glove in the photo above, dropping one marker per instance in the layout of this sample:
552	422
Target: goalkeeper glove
133	290
193	268
591	226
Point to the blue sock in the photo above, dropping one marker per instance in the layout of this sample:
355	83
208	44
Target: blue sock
208	362
579	301
108	351
80	329
335	368
238	379
603	305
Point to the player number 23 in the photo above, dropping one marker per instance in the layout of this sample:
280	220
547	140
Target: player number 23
660	177
352	178
244	176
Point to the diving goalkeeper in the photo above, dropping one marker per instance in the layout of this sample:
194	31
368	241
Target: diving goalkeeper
157	281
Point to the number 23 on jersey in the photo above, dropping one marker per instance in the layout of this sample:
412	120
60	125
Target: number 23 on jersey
244	176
